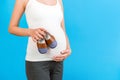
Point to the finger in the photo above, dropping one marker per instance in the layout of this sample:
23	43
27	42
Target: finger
58	56
66	54
34	39
39	36
41	32
65	51
55	58
43	29
58	60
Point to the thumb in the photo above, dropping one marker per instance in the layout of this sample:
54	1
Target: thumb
65	51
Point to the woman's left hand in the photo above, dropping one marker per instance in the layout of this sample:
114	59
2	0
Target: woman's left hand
64	54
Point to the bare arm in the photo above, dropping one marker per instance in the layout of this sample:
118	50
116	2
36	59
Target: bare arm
14	23
63	25
14	28
67	52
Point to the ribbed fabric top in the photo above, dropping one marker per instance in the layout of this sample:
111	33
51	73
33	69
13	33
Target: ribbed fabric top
49	17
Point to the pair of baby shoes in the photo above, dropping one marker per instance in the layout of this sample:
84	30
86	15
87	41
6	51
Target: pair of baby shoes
47	41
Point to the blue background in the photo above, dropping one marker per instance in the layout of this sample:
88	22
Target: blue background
93	27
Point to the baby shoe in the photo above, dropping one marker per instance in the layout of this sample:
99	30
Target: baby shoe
50	40
42	46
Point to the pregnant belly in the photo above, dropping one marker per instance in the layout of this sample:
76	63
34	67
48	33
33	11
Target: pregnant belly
61	42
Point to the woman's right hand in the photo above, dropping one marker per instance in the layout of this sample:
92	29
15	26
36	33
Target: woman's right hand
37	34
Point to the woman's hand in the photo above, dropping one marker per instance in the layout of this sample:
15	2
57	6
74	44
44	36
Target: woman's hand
37	34
64	54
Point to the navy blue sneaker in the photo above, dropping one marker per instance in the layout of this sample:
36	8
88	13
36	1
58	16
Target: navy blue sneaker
42	46
50	40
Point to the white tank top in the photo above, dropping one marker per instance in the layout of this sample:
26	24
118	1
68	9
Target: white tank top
49	17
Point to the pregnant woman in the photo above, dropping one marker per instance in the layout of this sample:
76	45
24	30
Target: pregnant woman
42	16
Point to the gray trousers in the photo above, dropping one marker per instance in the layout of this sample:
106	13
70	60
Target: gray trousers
44	70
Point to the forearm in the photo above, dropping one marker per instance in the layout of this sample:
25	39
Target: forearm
19	31
67	41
